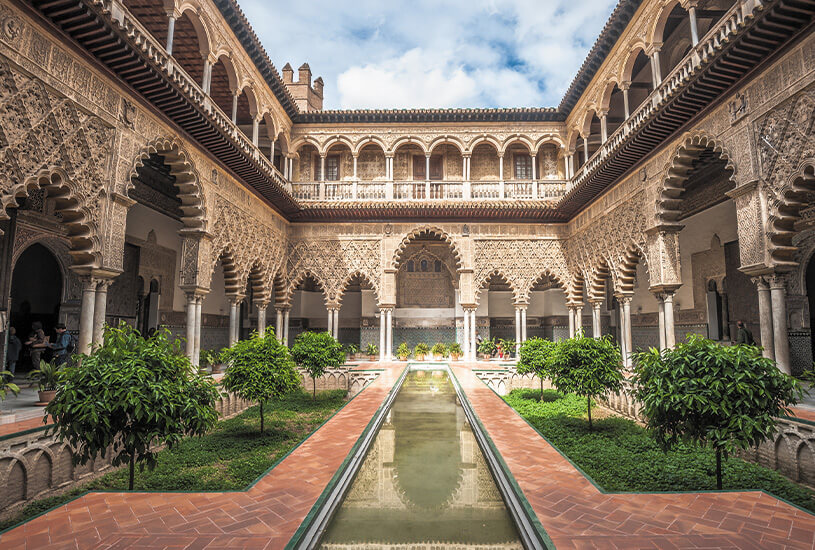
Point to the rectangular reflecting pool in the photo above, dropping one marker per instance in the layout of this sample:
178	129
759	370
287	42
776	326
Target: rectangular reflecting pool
423	480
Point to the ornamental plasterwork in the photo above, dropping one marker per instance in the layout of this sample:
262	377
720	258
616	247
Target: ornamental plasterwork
252	244
45	138
521	262
332	263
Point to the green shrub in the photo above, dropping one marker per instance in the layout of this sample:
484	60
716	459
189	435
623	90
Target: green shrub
260	369
317	352
421	350
534	358
590	367
46	376
133	394
487	347
372	350
455	349
722	397
403	351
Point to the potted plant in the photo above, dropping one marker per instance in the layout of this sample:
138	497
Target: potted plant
487	348
217	360
439	351
373	351
507	348
403	351
420	351
352	350
455	351
47	379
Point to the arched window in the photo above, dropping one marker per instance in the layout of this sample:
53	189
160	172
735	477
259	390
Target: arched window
424	266
437	266
410	266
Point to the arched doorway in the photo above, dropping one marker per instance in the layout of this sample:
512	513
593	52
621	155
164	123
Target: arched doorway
36	294
810	288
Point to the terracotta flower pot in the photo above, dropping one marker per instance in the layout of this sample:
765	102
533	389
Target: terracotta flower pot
46	396
420	357
454	356
403	358
216	368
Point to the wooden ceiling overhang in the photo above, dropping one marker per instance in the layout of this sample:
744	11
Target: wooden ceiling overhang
117	39
684	95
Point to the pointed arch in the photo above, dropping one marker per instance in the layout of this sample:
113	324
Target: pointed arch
358	274
627	269
478	285
233	282
596	287
300	277
187	180
256	279
83	233
785	211
548	275
427	230
669	198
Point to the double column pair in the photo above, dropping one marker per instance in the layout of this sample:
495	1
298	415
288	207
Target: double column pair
334	321
282	325
772	311
194	301
385	333
520	325
92	314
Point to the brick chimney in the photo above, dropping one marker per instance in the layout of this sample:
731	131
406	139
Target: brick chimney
306	97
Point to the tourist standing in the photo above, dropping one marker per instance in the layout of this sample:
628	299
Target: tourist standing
37	342
13	350
744	335
63	346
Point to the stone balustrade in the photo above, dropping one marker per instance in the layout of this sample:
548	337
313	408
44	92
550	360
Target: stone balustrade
428	190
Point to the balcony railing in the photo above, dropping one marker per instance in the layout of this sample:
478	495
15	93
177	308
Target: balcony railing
428	190
718	35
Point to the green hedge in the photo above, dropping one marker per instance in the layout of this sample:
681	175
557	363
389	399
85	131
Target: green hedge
620	455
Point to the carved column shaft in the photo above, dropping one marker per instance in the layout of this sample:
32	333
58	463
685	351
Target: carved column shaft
86	314
778	294
765	317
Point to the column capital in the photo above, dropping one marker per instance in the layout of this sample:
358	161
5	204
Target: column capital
624	298
624	85
261	304
521	305
777	280
235	299
760	282
653	48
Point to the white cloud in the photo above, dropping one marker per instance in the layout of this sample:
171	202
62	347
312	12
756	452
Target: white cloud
424	53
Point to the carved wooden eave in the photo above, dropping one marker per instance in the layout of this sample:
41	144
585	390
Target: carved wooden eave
730	52
118	40
539	211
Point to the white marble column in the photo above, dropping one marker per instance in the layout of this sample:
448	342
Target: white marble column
603	126
286	327
626	310
623	339
170	33
337	323
330	328
661	320
694	28
278	326
382	331
778	294
261	319
578	319
389	335
465	339
233	319
517	327
235	95
523	323
571	321
473	332
190	328
206	81
670	331
765	317
99	310
626	108
86	314
199	301
596	326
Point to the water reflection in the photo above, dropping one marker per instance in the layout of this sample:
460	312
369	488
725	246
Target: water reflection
423	481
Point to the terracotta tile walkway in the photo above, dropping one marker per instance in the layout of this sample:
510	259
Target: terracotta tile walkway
265	516
576	514
803	413
21	426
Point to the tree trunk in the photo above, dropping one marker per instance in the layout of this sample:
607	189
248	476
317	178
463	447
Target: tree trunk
261	417
314	386
719	469
132	471
588	400
541	389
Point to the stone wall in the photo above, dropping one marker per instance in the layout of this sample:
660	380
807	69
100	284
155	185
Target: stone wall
35	465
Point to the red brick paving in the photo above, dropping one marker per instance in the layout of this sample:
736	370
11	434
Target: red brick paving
265	516
803	413
577	515
574	513
21	426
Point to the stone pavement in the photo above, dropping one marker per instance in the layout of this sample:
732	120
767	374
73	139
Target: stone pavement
574	512
577	515
265	516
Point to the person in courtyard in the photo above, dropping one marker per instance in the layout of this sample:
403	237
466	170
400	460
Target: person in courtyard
13	350
744	335
63	347
37	342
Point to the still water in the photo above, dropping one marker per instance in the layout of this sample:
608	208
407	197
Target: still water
424	480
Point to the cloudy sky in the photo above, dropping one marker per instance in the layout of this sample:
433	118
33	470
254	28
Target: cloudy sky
432	53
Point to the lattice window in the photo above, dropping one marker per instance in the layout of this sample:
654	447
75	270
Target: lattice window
523	167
